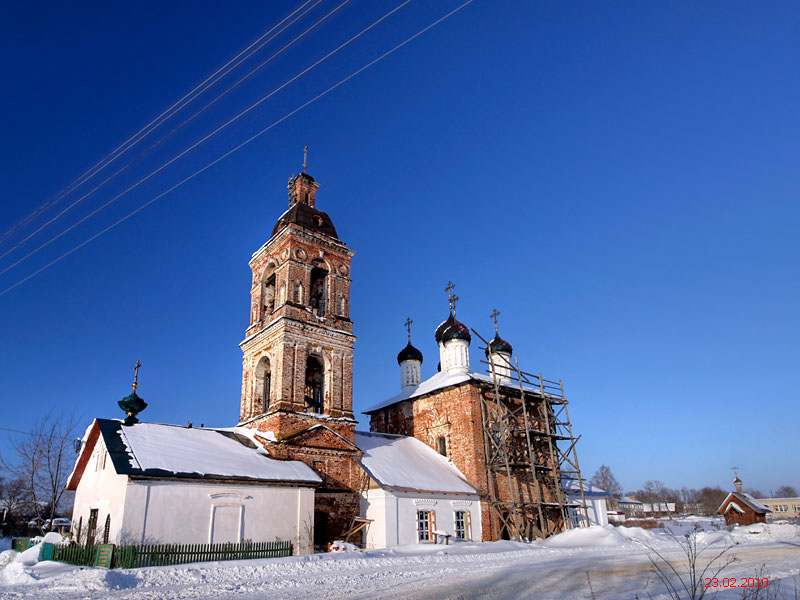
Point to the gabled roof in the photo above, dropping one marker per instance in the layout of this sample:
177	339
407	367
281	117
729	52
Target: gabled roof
172	451
441	380
405	463
743	498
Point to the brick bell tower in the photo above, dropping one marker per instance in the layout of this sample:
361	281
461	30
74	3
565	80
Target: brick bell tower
298	349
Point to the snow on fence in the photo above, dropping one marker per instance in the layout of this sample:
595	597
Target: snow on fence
157	555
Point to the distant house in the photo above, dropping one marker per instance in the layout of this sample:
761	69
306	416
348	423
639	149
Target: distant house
740	508
154	483
596	502
631	507
416	495
782	508
658	509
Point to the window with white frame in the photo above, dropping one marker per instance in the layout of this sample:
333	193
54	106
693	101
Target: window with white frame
426	523
462	523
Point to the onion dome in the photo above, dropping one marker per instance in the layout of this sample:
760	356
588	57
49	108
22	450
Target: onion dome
308	218
456	331
409	353
498	344
444	325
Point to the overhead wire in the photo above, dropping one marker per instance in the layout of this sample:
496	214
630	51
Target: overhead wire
203	139
156	122
236	148
155	145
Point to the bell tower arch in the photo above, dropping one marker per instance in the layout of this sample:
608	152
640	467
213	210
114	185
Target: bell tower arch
298	349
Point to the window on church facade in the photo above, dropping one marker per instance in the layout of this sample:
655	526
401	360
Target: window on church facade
426	523
298	292
269	296
441	445
462	525
263	384
314	392
318	290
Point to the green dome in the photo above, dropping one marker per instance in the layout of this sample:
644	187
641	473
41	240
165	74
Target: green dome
456	331
498	344
409	353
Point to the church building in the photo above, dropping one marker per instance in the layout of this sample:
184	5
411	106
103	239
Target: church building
462	455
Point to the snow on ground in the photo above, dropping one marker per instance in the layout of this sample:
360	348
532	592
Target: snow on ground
597	562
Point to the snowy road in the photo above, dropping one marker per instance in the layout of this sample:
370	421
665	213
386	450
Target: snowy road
486	571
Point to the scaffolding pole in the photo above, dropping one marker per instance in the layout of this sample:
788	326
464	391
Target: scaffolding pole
521	437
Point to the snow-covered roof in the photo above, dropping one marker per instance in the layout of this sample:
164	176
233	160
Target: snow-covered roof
732	505
571	486
747	500
628	500
397	461
442	379
158	450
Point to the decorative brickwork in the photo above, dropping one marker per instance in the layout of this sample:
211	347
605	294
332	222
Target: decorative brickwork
454	413
297	366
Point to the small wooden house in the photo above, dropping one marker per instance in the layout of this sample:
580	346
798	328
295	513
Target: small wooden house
740	508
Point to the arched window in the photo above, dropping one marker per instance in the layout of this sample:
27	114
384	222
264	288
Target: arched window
263	385
314	392
282	296
268	292
298	292
317	293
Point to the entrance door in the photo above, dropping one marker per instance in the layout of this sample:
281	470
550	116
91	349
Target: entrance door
321	530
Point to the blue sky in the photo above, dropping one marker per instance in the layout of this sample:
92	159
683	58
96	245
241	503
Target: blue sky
618	179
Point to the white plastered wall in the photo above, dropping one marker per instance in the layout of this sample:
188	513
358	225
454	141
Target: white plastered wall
394	515
102	489
200	512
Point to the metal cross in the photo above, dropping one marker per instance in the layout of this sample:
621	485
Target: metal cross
136	375
305	159
494	315
735	474
452	298
408	326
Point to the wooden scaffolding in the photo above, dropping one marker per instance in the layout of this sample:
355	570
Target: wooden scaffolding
525	417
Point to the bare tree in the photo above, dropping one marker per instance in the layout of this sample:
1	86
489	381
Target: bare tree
605	480
42	460
786	491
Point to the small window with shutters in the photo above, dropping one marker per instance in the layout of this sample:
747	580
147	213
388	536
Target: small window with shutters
426	523
463	525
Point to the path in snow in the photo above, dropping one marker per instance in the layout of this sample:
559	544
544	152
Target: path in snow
534	572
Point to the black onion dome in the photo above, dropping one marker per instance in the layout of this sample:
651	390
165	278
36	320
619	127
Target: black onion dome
444	325
498	344
307	217
456	331
409	353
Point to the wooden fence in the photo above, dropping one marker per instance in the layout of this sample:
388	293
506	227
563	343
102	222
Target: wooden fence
157	555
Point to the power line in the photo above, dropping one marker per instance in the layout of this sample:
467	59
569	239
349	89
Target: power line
238	147
156	144
203	139
154	124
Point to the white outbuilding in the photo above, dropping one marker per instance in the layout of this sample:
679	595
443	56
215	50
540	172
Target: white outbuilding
415	495
155	483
